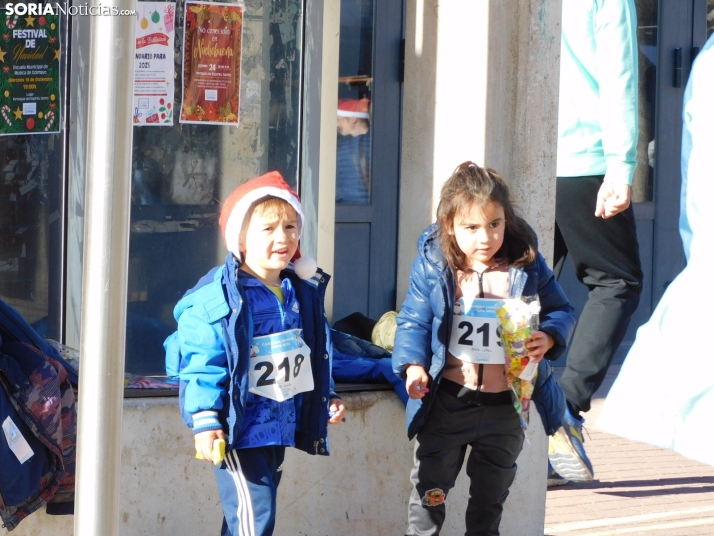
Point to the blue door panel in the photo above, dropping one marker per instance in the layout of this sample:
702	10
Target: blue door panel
352	295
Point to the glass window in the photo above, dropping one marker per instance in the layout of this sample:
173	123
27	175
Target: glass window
354	142
32	216
182	173
31	228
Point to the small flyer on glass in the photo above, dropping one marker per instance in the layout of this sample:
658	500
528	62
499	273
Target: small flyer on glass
211	63
154	64
29	74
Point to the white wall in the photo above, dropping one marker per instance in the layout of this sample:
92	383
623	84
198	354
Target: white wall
319	142
361	489
481	84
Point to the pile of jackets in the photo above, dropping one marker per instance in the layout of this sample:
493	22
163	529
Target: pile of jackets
38	415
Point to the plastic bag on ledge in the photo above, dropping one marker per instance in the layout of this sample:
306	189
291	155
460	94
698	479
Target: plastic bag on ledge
131	381
68	354
134	381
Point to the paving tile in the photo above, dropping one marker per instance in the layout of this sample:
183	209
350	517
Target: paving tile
639	489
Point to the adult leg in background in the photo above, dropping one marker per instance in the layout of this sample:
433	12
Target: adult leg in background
605	256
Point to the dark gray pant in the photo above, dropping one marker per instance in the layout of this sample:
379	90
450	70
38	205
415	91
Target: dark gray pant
496	439
605	255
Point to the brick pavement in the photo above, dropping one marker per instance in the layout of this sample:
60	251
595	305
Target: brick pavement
638	489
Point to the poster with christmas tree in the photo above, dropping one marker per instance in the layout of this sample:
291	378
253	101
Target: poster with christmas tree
154	64
29	74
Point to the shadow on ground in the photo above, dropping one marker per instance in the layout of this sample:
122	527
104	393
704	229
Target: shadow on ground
661	487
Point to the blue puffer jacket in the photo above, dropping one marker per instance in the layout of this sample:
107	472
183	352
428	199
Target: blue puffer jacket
210	352
423	323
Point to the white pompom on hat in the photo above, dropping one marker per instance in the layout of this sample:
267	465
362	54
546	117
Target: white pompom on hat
242	198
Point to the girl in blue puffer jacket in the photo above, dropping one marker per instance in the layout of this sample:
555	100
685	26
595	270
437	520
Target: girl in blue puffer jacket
455	373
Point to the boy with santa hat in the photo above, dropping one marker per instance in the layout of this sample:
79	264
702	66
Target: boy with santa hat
255	353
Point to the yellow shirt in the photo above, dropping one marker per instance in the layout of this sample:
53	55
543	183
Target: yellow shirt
278	291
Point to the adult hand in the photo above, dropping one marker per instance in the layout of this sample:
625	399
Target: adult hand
203	442
417	381
337	410
612	199
538	345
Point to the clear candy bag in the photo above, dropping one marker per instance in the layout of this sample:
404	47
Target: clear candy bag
518	317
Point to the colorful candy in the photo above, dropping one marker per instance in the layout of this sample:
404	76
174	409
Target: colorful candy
516	325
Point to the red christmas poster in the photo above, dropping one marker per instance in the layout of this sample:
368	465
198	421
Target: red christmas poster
211	63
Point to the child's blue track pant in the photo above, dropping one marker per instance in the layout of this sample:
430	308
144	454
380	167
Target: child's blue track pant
248	486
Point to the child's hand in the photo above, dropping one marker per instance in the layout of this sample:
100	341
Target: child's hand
538	344
417	381
204	442
337	411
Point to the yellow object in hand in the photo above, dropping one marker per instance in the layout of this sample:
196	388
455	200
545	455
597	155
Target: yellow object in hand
218	453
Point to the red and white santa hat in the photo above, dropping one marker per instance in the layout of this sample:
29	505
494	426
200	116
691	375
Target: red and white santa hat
239	202
353	108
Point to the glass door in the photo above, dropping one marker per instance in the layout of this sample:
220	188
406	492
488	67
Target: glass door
367	173
682	31
354	138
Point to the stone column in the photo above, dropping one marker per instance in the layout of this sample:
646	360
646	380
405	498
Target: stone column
481	84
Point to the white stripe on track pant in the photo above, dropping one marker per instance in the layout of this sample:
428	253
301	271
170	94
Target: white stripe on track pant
248	486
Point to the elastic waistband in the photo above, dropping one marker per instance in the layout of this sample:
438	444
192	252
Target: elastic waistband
476	398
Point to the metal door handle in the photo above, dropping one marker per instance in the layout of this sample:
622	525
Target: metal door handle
677	82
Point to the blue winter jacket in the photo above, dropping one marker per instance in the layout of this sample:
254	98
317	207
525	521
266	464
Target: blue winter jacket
423	322
211	352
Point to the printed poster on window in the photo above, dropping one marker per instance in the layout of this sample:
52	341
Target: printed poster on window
29	74
211	63
154	64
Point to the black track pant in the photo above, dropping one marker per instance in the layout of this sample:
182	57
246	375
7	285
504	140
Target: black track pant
496	439
606	258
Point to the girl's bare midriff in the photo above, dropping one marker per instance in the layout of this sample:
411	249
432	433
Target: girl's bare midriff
494	376
495	285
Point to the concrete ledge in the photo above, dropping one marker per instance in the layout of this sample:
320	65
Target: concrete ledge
362	489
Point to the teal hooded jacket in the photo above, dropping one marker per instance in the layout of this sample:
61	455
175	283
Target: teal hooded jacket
597	112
